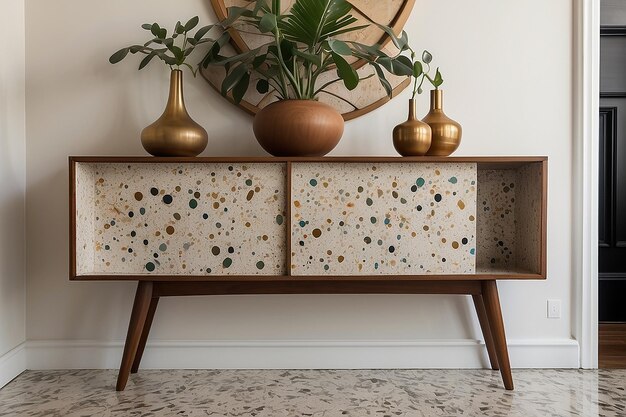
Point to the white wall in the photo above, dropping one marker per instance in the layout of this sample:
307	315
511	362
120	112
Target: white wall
508	79
12	185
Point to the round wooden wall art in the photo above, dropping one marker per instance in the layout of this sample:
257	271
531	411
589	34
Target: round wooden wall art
368	96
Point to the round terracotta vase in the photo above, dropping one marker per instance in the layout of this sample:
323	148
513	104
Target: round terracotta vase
298	128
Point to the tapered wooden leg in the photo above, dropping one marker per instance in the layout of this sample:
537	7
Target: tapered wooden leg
496	324
143	296
144	335
484	326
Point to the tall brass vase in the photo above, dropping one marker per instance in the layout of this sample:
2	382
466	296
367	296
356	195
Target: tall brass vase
446	132
413	137
175	133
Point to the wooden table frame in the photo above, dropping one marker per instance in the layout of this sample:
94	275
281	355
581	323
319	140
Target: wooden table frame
482	287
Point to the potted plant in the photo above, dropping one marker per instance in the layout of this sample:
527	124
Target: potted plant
302	44
175	133
445	132
414	137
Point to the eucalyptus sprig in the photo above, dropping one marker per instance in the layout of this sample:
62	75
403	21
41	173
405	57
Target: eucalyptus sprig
421	72
173	50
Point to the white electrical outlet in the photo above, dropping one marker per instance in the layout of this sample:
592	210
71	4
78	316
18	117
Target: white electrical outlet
554	309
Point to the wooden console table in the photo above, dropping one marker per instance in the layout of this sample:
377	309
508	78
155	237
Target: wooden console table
357	225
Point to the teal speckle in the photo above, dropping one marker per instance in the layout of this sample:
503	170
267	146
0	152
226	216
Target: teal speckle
369	202
107	247
453	180
376	265
142	211
473	182
403	200
279	220
326	267
387	220
420	182
248	182
472	251
260	265
302	223
163	247
150	266
227	263
193	203
313	182
373	220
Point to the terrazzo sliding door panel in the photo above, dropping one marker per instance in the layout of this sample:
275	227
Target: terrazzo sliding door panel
181	219
383	218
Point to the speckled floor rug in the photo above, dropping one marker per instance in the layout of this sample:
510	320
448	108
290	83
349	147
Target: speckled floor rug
315	393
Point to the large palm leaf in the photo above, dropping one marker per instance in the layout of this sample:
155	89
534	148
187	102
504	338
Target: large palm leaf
311	22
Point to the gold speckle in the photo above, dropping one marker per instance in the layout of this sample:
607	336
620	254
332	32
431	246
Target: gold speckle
296	203
170	230
317	233
455	245
472	218
461	204
340	259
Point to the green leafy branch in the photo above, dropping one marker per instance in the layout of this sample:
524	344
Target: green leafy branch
173	50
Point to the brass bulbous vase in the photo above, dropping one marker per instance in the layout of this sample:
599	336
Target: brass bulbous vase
175	133
446	132
413	137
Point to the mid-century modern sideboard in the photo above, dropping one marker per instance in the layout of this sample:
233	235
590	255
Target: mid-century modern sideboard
333	225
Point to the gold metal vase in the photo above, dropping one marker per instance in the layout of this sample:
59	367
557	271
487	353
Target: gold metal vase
413	137
175	133
446	132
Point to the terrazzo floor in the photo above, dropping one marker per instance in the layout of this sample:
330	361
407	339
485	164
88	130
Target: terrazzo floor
314	393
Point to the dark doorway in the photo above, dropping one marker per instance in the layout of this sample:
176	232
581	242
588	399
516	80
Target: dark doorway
612	204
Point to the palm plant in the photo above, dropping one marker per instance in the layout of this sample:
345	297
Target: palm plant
302	44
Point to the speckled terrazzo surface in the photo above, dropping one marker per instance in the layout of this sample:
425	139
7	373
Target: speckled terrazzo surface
181	219
274	393
392	218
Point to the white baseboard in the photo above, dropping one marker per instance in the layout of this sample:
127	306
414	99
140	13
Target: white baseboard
71	354
12	364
